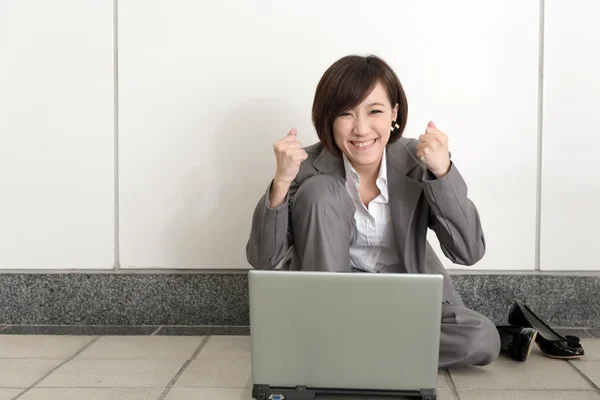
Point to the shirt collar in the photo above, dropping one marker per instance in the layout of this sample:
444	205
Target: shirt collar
383	168
348	166
381	179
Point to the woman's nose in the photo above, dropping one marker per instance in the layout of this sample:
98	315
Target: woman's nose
361	127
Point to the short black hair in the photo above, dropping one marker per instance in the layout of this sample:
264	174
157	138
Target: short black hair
345	85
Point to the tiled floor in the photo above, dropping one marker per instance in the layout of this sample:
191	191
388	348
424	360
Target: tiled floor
157	367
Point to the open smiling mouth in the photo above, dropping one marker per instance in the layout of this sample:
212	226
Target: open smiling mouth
364	145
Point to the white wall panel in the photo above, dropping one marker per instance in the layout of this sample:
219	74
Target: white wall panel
56	126
571	140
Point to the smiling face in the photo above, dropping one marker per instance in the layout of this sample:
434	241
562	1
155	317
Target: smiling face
356	100
363	132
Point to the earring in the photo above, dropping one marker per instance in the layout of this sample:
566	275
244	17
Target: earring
394	126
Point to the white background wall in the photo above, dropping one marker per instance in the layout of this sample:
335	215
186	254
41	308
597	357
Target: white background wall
56	134
205	88
570	207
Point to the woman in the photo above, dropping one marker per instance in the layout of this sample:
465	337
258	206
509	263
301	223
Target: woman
363	197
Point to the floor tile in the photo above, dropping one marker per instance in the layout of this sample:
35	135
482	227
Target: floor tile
55	347
217	373
445	394
581	333
226	347
92	394
537	373
114	373
212	393
592	350
527	395
142	347
591	370
442	380
90	330
9	394
22	373
203	330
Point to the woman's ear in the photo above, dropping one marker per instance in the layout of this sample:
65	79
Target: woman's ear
395	112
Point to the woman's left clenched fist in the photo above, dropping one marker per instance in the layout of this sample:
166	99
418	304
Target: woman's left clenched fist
433	150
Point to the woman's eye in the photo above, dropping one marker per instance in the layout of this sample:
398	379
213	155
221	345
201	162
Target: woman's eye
376	112
345	114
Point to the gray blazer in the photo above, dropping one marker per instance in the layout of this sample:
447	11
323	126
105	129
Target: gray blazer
418	201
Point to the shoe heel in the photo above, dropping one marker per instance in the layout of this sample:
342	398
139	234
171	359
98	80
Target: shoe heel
533	338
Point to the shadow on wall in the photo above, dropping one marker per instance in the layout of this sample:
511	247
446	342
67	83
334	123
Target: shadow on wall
212	225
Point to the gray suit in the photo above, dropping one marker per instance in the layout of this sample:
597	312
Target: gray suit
316	224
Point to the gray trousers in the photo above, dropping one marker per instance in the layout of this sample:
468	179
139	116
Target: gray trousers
322	223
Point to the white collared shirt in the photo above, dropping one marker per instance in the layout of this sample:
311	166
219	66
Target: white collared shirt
374	247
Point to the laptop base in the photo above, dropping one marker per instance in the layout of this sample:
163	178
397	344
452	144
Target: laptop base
266	392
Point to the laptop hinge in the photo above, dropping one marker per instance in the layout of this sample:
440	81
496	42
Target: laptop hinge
266	392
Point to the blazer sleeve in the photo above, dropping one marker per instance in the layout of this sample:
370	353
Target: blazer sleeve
454	218
270	235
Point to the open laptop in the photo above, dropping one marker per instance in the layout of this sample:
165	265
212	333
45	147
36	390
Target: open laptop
324	333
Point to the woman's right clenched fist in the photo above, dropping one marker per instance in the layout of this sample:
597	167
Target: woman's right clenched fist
289	154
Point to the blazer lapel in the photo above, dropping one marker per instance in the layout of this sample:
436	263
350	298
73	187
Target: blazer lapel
404	193
329	164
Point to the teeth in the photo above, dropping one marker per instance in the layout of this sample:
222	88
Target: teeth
364	144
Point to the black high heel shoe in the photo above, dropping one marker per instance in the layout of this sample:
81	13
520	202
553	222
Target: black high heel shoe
516	341
551	343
